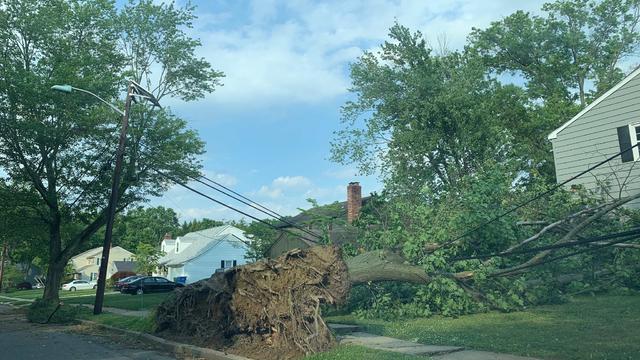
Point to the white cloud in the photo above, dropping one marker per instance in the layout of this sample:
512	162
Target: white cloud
270	192
291	181
303	56
222	178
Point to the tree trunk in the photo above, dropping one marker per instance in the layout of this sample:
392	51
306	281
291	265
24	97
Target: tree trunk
55	273
55	270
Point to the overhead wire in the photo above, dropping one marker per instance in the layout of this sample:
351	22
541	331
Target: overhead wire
173	179
251	203
539	196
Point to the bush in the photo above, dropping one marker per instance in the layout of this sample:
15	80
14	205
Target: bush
40	311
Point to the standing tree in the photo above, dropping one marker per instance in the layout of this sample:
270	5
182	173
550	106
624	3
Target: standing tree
147	256
425	121
62	146
145	226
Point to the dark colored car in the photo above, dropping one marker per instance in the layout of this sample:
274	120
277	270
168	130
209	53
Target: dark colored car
149	284
24	286
118	284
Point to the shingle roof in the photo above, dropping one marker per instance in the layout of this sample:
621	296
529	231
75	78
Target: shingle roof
125	266
201	242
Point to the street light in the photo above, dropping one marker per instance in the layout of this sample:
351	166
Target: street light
69	89
133	90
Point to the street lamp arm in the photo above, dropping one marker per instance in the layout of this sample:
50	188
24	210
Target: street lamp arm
101	99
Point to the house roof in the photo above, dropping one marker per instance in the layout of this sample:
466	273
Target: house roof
201	242
336	210
89	253
601	98
97	251
129	266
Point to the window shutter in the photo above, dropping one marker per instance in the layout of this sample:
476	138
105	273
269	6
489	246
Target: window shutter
624	139
235	262
222	264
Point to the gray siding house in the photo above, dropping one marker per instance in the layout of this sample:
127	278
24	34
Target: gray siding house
609	125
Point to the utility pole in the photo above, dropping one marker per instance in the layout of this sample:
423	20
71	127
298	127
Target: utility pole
113	204
3	255
133	90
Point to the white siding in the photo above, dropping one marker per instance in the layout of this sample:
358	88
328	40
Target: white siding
206	264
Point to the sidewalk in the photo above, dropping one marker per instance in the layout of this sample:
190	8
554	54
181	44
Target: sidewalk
351	334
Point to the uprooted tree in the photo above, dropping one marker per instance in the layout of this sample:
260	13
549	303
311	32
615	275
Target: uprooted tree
271	309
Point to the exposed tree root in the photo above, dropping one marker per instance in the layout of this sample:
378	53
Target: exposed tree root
266	310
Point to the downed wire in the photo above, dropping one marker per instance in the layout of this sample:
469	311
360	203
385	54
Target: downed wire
542	194
632	232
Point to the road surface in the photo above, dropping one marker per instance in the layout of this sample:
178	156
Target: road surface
20	340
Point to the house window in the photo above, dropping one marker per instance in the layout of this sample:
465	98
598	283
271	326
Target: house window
97	261
177	247
629	136
227	264
94	276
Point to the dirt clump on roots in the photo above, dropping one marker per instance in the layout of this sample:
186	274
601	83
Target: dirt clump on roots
266	310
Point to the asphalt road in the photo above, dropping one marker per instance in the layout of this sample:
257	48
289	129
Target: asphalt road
20	339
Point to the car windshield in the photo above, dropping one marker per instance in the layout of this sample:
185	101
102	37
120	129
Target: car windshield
129	279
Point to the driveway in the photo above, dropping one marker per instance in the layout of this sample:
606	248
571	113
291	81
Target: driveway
20	339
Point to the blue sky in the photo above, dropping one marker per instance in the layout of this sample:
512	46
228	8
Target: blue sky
268	128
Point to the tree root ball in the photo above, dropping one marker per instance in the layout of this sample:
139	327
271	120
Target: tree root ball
266	310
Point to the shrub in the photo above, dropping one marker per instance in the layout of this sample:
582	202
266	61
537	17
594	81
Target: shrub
40	311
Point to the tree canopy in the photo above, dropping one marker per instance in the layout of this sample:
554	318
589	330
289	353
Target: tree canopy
61	146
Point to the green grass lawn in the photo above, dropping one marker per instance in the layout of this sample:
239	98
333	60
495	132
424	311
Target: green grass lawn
124	301
37	294
135	323
601	327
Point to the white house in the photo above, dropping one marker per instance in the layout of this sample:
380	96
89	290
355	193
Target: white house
86	265
199	254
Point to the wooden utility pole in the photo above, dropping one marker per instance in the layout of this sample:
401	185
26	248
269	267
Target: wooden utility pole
3	256
113	204
134	89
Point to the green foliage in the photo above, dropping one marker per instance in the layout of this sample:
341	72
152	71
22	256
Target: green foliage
574	42
197	225
40	310
425	120
456	147
144	225
147	257
54	144
262	236
12	276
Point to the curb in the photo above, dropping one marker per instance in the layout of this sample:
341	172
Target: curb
173	346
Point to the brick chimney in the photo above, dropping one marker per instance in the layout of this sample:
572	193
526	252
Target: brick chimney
354	201
167	236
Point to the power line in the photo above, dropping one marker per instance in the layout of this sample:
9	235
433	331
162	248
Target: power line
560	257
226	205
251	203
632	232
544	193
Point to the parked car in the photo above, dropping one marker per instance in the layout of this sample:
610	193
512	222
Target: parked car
24	286
118	284
149	284
79	285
